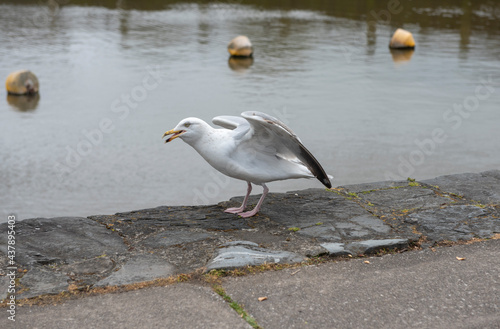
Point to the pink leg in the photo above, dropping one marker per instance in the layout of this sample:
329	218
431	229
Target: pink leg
257	207
243	205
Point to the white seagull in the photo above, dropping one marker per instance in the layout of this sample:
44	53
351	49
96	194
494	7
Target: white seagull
256	148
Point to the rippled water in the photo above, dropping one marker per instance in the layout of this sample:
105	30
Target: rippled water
115	76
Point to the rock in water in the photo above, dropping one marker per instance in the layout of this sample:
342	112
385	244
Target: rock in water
21	83
240	46
402	39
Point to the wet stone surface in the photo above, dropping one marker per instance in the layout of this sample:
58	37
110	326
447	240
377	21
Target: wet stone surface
56	253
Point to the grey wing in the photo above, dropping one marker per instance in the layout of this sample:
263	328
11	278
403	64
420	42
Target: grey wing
273	133
239	125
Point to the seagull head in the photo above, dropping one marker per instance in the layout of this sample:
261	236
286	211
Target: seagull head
189	130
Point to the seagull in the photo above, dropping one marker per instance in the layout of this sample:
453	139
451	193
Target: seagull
255	147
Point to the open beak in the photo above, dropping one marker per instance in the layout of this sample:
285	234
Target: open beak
176	133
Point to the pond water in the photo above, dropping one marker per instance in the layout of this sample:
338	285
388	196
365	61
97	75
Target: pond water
115	75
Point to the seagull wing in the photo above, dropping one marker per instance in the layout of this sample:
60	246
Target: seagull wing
271	135
239	125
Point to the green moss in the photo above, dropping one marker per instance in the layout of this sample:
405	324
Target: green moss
336	191
237	307
395	187
456	195
405	211
294	229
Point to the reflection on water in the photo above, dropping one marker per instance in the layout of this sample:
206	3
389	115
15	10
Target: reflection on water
117	75
23	102
240	64
401	55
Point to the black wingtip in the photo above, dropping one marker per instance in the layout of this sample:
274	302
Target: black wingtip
313	165
327	182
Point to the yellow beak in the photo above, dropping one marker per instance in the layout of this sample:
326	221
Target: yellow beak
176	133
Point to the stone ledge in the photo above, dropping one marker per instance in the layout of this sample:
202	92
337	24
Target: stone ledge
56	253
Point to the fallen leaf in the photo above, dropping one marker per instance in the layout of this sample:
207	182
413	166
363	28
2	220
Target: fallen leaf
367	262
433	249
460	258
262	298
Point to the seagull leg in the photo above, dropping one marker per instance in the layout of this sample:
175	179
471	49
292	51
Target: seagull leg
243	205
257	207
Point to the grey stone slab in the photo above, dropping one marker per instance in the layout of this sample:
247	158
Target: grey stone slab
461	222
336	249
246	253
41	280
409	198
339	218
372	222
170	238
139	268
61	240
92	266
308	207
482	187
372	246
351	230
321	232
176	306
420	289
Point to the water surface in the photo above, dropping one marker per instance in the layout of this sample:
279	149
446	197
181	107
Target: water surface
116	75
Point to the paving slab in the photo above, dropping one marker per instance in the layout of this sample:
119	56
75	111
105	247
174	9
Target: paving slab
419	289
176	306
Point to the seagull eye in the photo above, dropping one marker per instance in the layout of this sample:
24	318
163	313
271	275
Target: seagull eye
187	124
